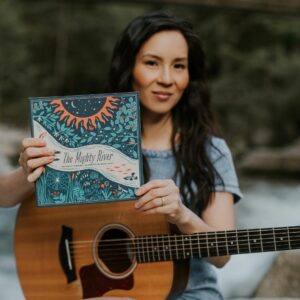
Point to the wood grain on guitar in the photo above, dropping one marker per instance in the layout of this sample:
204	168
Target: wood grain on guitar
105	265
109	250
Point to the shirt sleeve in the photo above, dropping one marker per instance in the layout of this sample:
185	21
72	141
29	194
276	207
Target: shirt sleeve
226	179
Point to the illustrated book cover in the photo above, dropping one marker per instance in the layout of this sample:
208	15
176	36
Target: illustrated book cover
97	143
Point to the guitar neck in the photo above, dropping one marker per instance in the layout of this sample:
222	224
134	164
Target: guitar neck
174	247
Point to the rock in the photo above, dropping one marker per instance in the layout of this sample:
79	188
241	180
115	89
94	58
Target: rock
283	160
283	280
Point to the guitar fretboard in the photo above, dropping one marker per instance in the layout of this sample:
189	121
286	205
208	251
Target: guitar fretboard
174	247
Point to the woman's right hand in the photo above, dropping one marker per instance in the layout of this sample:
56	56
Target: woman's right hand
34	156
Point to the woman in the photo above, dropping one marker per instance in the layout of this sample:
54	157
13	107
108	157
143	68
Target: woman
189	173
14	187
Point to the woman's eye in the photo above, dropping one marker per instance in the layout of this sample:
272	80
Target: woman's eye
151	63
180	66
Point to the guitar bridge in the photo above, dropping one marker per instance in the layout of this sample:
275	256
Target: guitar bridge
65	254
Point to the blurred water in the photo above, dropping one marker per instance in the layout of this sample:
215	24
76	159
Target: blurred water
266	203
9	284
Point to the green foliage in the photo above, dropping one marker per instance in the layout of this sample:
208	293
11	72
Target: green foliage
55	48
254	62
13	58
58	48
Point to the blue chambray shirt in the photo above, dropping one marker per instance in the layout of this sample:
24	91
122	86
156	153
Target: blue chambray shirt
202	282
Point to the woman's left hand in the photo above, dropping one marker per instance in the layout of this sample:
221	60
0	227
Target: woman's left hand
161	197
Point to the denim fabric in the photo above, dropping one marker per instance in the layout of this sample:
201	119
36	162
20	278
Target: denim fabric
202	282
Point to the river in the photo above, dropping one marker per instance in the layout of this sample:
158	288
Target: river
266	203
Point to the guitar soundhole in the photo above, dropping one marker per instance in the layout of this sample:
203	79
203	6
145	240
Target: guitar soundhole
114	251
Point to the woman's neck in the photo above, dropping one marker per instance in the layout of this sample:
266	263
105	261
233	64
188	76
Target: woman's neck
157	131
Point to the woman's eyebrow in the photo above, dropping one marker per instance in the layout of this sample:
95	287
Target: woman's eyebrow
151	55
181	59
184	58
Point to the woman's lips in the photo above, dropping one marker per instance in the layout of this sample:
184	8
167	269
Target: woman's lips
162	95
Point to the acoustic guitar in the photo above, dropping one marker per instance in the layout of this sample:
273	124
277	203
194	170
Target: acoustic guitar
80	252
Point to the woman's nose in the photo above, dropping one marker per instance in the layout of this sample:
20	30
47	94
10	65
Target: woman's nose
165	76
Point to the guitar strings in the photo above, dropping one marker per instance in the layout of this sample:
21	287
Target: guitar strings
252	241
187	243
154	252
157	242
158	247
171	254
152	246
211	236
137	250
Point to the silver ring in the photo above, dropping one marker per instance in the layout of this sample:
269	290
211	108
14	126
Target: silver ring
162	201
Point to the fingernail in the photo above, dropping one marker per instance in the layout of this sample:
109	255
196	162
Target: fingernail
136	205
137	192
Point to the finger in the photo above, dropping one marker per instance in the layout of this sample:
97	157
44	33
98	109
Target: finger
155	210
33	142
151	185
152	194
22	162
34	152
154	203
39	162
32	177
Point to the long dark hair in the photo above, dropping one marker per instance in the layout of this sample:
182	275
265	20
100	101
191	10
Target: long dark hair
192	116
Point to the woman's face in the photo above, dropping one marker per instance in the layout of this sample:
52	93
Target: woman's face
160	72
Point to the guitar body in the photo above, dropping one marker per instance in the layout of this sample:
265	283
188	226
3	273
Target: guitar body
57	254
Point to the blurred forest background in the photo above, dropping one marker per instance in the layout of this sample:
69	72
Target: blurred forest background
64	47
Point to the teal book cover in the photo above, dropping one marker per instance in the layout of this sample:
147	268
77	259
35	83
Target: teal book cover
97	139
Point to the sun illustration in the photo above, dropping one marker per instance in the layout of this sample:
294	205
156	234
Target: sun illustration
85	112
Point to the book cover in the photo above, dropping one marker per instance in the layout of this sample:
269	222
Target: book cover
97	139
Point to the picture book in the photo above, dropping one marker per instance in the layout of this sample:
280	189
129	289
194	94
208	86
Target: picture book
97	143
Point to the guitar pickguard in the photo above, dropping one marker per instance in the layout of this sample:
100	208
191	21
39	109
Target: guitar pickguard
96	284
